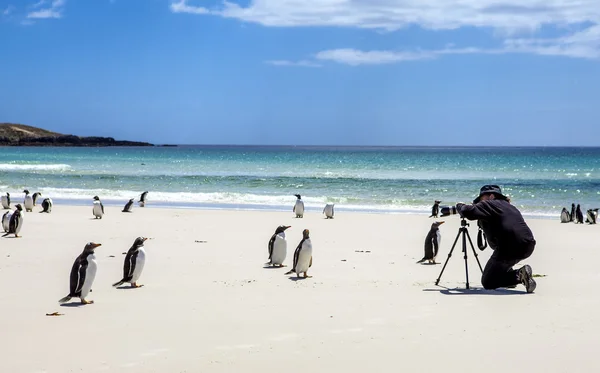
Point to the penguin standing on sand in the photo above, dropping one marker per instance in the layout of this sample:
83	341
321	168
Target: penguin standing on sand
98	209
565	217
128	206
278	246
435	209
299	206
302	256
432	243
47	205
592	215
35	196
6	220
572	212
6	201
16	222
28	201
578	215
328	211
83	274
142	200
134	263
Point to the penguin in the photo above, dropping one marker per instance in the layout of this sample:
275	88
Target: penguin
432	243
16	222
435	209
6	201
28	203
6	220
328	211
579	215
592	215
47	205
35	196
98	209
83	274
299	206
572	212
134	263
142	200
278	247
565	217
302	256
128	206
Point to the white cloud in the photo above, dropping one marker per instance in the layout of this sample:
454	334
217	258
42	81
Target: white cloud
8	10
302	63
182	7
54	10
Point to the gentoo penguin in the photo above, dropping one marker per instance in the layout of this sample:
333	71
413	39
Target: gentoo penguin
142	200
128	206
578	215
572	212
592	215
328	211
302	256
134	263
299	206
6	220
432	243
98	209
35	196
435	209
278	246
83	274
47	205
16	222
565	217
6	201
28	201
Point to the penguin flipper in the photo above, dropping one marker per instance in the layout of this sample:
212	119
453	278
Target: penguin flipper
119	283
422	260
65	299
290	272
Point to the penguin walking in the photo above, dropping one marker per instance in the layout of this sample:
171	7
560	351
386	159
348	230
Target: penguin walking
578	215
278	247
328	211
142	200
6	220
435	209
302	256
572	212
98	209
128	206
299	206
134	263
28	203
83	274
565	217
6	201
432	243
47	205
16	222
35	196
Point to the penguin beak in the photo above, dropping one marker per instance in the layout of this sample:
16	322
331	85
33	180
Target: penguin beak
95	245
145	238
442	222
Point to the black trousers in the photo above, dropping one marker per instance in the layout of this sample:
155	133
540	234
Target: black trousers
498	272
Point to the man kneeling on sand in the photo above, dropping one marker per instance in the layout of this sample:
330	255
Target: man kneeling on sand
507	234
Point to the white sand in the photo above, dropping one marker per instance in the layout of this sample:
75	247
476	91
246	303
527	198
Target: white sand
212	307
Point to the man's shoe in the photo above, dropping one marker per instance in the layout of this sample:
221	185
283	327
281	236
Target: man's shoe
526	278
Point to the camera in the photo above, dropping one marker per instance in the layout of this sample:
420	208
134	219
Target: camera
448	210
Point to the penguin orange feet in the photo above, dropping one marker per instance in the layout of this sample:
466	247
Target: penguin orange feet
83	301
135	285
306	275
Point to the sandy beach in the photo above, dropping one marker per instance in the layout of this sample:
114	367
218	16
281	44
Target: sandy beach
208	305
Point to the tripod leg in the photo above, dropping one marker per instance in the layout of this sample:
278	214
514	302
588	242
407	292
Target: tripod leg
474	252
464	249
447	259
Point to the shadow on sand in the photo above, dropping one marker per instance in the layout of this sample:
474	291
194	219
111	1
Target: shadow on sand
477	291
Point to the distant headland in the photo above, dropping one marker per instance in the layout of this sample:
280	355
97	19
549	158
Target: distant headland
12	134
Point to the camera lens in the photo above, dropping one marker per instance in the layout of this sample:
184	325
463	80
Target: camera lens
448	210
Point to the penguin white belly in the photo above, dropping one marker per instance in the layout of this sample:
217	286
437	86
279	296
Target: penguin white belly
5	202
49	205
139	265
328	210
28	202
142	203
90	275
97	209
279	249
304	257
19	224
6	220
299	208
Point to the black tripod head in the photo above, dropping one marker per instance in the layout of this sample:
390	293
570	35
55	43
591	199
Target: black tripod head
463	222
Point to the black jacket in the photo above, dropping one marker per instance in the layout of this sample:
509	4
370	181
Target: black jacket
504	227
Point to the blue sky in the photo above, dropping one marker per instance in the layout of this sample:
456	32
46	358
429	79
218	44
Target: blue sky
305	72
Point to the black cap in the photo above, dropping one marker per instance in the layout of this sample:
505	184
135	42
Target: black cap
486	189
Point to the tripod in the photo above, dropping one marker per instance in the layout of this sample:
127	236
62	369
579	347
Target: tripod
465	234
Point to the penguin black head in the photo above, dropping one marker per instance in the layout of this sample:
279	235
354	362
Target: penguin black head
298	196
436	225
19	207
436	202
26	192
139	241
7	194
282	228
305	234
90	246
96	198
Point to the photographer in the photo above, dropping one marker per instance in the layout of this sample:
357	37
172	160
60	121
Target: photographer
506	233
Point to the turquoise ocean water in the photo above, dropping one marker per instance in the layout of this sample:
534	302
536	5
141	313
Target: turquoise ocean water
372	179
